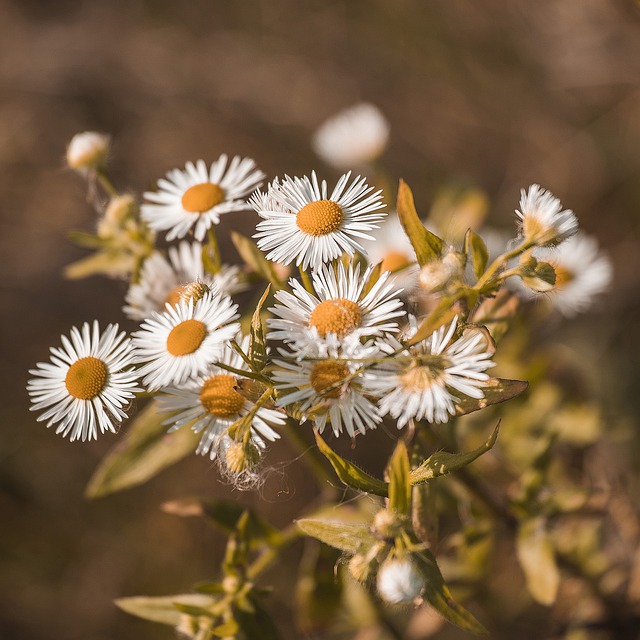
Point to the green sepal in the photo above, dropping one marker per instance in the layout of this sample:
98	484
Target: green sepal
349	473
142	452
427	245
476	249
255	259
346	536
397	472
441	463
437	594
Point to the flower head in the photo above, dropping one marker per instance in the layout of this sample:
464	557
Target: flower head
87	384
87	151
327	386
302	222
184	340
421	381
399	581
354	137
543	221
340	307
163	280
211	403
197	197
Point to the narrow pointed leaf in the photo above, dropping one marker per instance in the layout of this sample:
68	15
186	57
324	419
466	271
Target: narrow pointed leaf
110	263
441	463
444	313
476	249
427	245
437	594
227	630
398	471
162	609
257	347
255	259
142	452
495	390
374	276
346	536
349	473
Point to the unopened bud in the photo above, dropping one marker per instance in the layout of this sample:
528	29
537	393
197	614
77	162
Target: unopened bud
87	151
539	276
241	457
436	275
194	291
385	523
399	581
360	567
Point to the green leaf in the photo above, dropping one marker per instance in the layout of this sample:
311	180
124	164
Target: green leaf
444	313
495	390
163	609
88	240
257	347
399	484
346	536
437	594
255	259
142	452
475	248
427	245
537	559
349	473
227	630
110	263
441	463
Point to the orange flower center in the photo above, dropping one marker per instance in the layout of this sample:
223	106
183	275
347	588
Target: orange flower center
563	276
86	378
186	337
202	197
394	260
219	396
320	217
420	377
327	373
339	316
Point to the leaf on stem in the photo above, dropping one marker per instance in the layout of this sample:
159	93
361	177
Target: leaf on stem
495	390
346	536
427	245
255	259
257	347
475	248
397	472
163	609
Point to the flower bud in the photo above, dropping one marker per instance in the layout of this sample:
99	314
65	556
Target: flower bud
385	523
241	457
360	567
537	275
399	581
87	151
438	274
194	291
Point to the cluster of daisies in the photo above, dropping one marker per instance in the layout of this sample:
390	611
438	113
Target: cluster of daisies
339	340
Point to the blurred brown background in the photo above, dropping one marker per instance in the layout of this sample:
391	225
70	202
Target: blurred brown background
492	94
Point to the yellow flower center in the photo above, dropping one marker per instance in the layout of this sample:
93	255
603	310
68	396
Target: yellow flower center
320	217
563	276
394	260
420	377
86	378
176	295
339	316
219	396
327	373
186	337
202	197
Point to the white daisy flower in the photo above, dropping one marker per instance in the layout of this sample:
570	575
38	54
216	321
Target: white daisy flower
197	197
392	247
184	340
211	403
420	381
399	581
163	280
582	273
302	222
314	386
542	219
354	137
88	383
340	308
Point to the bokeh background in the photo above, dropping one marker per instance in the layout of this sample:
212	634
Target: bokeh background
495	95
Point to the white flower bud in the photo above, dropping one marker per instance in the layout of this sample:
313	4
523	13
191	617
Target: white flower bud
436	275
87	151
399	581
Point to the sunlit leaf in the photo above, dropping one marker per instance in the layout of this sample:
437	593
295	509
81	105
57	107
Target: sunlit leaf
476	249
399	484
163	609
346	536
110	263
255	259
426	245
142	451
349	473
495	390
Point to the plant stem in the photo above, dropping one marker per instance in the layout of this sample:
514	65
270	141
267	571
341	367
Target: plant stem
288	536
106	184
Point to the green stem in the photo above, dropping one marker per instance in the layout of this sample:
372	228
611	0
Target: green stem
482	285
288	536
106	184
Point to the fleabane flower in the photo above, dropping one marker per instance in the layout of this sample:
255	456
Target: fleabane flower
421	381
582	273
87	151
88	383
164	280
542	219
302	222
354	137
340	307
185	339
211	403
327	386
196	197
399	581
